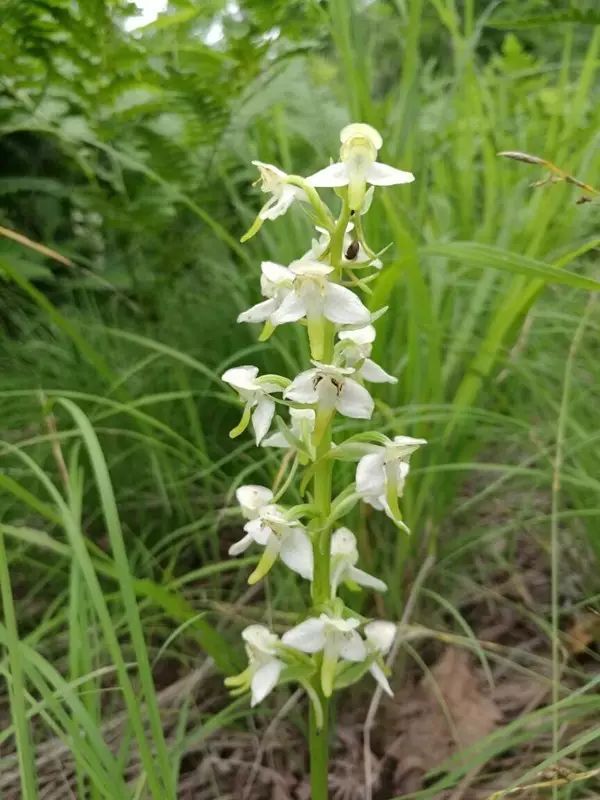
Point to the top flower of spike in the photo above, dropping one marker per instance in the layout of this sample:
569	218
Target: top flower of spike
359	166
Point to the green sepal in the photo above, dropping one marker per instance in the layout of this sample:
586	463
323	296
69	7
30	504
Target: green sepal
242	424
348	674
301	510
342	505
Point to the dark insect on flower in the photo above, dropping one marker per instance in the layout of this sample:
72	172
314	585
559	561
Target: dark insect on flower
352	250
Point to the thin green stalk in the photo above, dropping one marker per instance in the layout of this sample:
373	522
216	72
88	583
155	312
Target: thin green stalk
322	484
17	684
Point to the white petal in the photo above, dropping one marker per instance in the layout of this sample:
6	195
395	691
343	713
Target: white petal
343	543
260	532
361	336
252	497
381	679
352	647
265	679
342	306
292	308
279	204
370	474
241	546
302	389
308	636
364	579
355	401
370	371
241	377
297	553
260	639
333	175
276	273
380	635
262	417
384	175
275	440
361	130
260	312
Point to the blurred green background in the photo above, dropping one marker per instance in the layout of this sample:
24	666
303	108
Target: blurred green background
128	152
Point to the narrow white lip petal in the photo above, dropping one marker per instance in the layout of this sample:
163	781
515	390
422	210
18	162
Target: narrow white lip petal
296	552
241	546
265	679
380	635
308	636
370	474
364	579
355	401
383	175
251	497
241	377
259	312
332	176
262	417
342	306
292	308
364	335
372	372
352	647
301	389
276	273
381	679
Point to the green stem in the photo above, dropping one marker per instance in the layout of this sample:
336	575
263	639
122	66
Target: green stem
318	741
318	738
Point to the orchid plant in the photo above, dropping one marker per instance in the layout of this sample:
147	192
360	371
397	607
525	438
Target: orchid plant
332	646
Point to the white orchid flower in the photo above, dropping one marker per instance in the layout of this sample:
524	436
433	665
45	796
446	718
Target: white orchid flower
344	557
359	166
354	253
331	387
264	668
314	296
335	636
303	291
380	475
380	635
357	347
302	427
275	283
273	182
256	392
268	527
